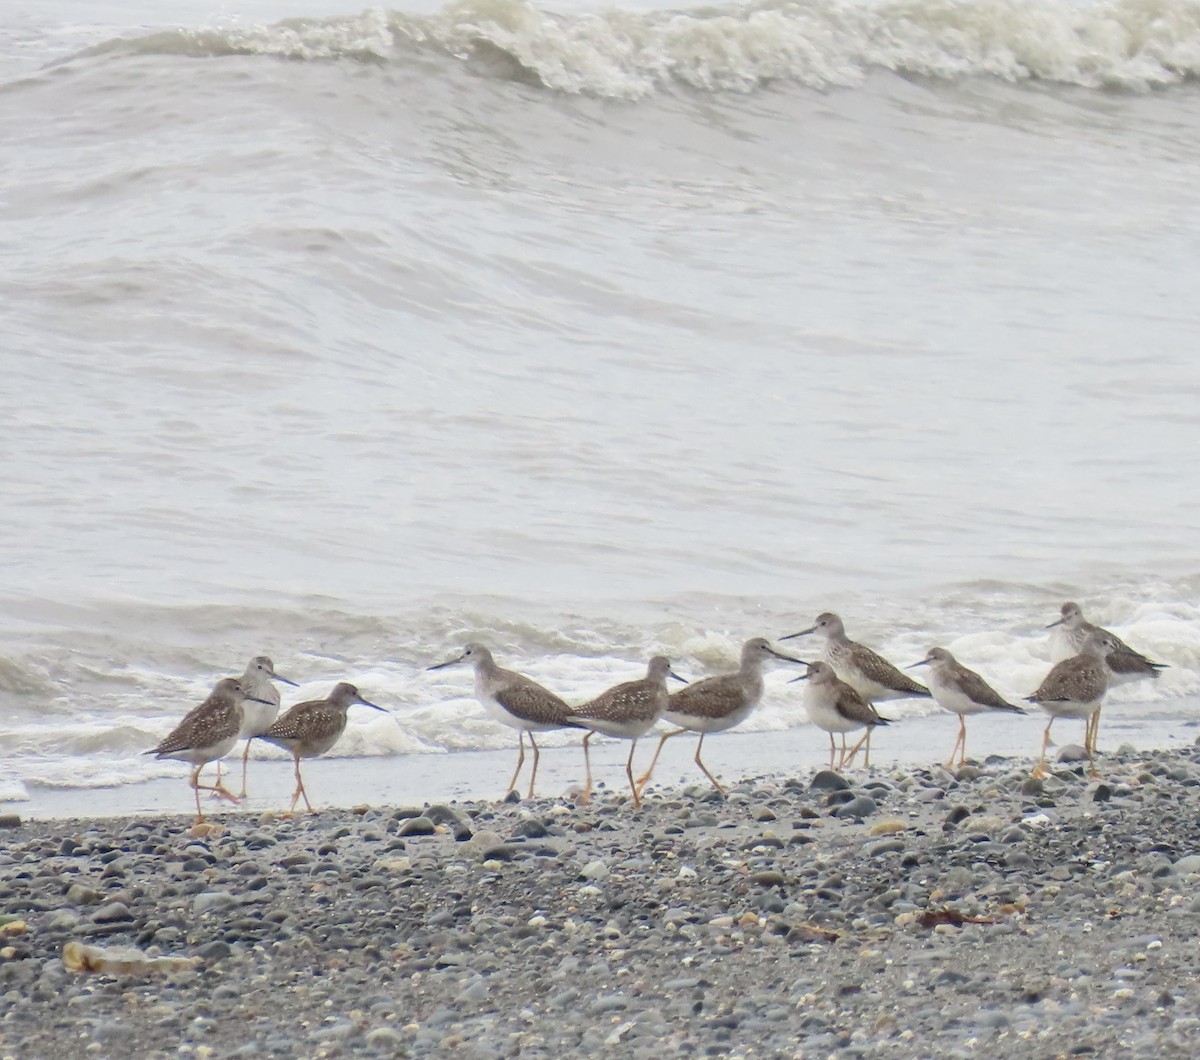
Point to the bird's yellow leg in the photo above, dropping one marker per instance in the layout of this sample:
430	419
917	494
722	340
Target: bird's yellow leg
1039	770
644	779
637	801
520	761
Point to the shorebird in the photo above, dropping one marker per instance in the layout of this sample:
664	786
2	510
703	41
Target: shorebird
1125	664
1074	688
835	706
962	692
515	700
717	703
627	711
868	673
260	711
311	728
208	732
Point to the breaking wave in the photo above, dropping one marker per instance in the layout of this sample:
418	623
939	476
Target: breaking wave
620	54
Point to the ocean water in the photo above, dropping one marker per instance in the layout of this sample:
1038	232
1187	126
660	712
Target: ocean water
588	331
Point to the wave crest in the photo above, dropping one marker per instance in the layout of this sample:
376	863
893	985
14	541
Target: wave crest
1134	44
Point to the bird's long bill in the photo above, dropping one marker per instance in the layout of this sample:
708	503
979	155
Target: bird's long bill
255	699
802	677
802	633
286	680
919	662
1058	623
672	673
786	658
448	662
373	706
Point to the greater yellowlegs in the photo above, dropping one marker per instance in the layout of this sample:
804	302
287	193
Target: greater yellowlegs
867	672
626	711
310	729
1125	664
835	706
962	692
262	710
1074	688
514	700
717	703
207	733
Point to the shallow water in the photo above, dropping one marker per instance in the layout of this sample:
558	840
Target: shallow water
589	333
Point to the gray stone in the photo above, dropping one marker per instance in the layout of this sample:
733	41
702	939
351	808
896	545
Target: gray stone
1187	865
768	877
78	894
418	826
883	846
859	807
440	813
212	902
608	1003
475	994
111	913
827	780
595	870
501	852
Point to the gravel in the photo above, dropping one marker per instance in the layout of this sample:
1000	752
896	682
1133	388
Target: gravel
909	913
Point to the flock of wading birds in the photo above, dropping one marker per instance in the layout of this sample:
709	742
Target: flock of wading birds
840	697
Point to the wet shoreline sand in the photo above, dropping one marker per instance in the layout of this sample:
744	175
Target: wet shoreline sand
394	780
907	912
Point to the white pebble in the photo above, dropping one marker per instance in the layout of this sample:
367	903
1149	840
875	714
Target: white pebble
595	870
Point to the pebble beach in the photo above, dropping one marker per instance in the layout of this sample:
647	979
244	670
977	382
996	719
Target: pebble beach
907	912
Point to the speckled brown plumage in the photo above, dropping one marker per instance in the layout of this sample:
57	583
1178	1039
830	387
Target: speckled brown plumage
526	699
871	675
212	724
514	700
207	733
311	728
627	711
717	703
630	708
1074	688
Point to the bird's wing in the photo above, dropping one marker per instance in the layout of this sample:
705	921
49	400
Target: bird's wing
849	704
1132	662
529	701
979	691
633	699
199	724
305	722
876	668
714	697
1071	680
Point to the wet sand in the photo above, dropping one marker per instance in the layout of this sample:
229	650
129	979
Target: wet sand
402	779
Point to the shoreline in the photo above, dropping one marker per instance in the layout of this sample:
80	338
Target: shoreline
734	756
909	913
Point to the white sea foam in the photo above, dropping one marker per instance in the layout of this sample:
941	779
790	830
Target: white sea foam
97	741
739	47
